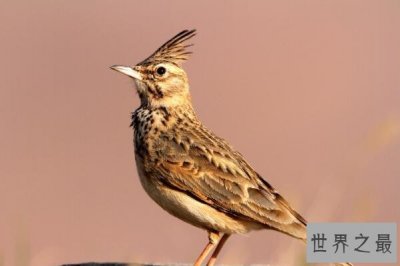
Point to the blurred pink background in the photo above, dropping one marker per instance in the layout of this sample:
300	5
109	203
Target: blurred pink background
308	91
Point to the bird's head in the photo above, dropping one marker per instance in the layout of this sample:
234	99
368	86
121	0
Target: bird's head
160	79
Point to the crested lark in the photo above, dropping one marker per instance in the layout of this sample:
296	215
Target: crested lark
189	171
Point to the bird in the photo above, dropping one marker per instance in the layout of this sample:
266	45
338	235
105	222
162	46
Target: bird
189	171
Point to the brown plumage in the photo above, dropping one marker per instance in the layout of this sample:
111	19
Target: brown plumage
174	50
188	170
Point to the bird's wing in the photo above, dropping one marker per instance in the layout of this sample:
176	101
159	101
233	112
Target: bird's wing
207	168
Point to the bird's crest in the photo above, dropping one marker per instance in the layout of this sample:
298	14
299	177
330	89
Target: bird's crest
173	51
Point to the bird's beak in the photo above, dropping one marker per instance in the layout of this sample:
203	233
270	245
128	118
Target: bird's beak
128	71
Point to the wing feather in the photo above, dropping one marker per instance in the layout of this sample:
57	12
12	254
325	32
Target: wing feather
207	168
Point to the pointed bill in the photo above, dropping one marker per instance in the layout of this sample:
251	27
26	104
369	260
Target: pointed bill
127	71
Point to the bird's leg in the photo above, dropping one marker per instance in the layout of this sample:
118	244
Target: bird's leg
213	239
218	249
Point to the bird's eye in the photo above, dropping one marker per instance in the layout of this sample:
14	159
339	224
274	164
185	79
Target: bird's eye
161	70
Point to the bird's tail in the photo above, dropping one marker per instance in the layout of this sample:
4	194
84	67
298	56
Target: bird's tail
298	229
296	225
335	264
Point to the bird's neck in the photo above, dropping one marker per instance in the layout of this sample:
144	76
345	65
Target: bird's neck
181	103
182	110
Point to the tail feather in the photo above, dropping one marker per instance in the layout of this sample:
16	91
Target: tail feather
299	230
298	226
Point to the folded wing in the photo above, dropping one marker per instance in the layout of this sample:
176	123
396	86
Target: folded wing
207	168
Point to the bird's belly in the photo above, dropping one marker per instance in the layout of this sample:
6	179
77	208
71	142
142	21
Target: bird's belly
192	211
